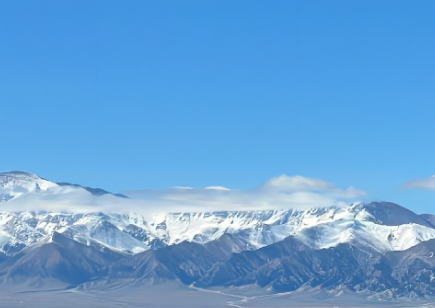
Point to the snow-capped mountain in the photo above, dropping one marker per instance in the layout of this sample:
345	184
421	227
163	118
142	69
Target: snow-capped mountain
362	247
16	183
133	233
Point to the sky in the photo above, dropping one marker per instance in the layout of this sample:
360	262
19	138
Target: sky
131	95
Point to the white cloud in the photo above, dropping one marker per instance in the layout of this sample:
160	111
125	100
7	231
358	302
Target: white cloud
426	183
296	183
277	193
217	188
283	192
299	183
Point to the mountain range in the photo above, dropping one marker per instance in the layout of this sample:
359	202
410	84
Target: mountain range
378	250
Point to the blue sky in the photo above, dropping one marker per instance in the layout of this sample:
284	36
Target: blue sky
153	94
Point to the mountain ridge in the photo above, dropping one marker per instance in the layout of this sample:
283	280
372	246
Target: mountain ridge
379	249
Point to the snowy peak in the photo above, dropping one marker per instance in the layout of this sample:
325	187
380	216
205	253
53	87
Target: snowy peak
319	228
26	181
380	226
391	214
16	183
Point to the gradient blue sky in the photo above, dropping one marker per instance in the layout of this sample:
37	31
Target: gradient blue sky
152	94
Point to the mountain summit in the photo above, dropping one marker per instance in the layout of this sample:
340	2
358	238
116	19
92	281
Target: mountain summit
16	183
360	248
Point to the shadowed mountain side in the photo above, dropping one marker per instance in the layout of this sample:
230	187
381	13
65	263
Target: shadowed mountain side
60	259
186	261
226	245
414	269
430	218
290	264
392	214
92	190
285	266
3	257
